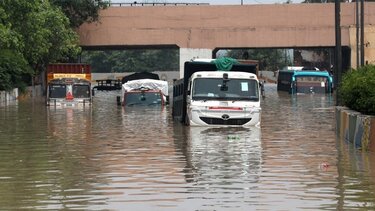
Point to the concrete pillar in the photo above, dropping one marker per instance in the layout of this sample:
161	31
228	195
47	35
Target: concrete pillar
369	45
187	54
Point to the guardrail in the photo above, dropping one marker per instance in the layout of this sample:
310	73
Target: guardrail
153	4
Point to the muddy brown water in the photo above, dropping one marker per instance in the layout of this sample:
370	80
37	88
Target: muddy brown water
109	158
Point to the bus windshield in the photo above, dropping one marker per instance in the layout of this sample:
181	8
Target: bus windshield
81	91
232	89
57	91
309	84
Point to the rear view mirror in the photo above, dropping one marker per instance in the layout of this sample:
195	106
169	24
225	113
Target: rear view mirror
224	86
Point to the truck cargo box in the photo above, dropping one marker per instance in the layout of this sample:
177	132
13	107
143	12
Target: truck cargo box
68	70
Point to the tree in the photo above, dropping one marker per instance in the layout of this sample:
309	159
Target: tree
13	67
269	59
36	32
8	37
134	60
81	11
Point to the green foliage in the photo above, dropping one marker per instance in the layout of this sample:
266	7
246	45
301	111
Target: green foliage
132	60
13	67
44	31
37	32
269	59
80	11
357	90
8	37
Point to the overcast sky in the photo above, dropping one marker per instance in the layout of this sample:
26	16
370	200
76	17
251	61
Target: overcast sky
212	2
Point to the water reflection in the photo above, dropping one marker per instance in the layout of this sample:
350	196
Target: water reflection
223	165
215	153
109	158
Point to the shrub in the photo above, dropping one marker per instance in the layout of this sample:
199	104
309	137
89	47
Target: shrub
357	89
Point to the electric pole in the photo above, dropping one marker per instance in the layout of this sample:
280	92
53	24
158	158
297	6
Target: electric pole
338	53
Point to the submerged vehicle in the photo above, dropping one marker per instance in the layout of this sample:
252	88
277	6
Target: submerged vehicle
144	92
68	84
304	80
211	96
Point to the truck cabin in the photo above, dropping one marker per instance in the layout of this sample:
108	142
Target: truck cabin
237	89
144	92
69	89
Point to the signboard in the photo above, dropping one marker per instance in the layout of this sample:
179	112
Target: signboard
65	75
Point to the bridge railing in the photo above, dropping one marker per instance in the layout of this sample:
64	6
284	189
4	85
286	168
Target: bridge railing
133	4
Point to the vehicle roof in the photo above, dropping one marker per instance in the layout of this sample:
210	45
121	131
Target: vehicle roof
144	90
146	84
311	73
199	66
219	74
300	68
140	75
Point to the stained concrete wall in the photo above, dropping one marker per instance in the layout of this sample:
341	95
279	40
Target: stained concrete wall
187	54
223	26
199	29
7	96
355	128
369	45
13	95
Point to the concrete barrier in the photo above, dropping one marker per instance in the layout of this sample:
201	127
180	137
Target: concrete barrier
355	128
13	95
7	96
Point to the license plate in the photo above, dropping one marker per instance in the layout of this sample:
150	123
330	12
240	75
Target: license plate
223	103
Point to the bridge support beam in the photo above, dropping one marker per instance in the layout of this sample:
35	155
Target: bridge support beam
187	54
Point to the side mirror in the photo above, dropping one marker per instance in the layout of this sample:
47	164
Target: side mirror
225	76
261	85
167	100
118	99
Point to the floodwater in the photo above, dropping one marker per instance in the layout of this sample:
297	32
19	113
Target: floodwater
108	158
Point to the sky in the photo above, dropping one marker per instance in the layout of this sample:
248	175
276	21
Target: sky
211	2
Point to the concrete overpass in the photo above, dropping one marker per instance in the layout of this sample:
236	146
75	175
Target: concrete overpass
199	30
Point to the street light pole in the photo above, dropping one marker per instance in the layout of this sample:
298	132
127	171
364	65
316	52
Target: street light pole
357	52
338	53
362	35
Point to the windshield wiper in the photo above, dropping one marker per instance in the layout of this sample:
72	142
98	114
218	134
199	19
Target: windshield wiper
154	103
131	104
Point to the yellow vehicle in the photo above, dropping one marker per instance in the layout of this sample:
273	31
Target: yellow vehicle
68	84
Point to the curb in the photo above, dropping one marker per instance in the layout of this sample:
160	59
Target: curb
355	128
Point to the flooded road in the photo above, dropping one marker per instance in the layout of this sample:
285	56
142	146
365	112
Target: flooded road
108	158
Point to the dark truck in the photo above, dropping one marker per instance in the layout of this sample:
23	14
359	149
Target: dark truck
143	89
